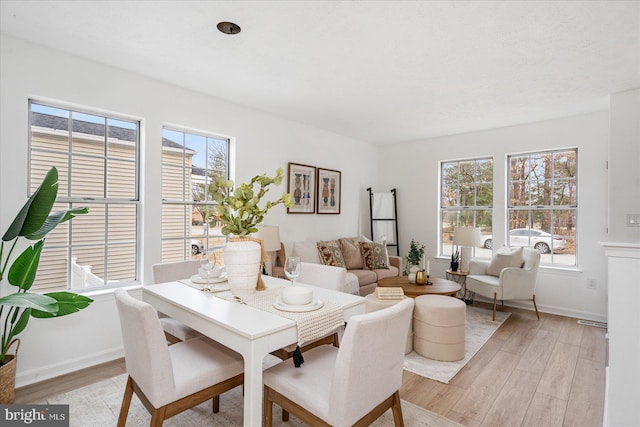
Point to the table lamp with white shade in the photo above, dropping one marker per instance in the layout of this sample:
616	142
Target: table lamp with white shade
466	238
270	235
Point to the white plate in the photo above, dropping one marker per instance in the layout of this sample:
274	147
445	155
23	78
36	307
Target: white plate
313	305
196	278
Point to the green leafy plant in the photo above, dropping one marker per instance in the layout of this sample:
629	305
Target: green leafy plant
416	252
32	223
414	256
455	257
238	207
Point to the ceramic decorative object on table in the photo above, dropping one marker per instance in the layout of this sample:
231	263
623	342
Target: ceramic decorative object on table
413	271
243	261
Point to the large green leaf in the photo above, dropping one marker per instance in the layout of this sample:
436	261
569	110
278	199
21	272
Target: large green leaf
54	219
68	303
36	210
29	300
21	323
24	268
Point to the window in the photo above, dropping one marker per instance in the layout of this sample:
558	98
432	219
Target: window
190	162
543	204
97	161
466	200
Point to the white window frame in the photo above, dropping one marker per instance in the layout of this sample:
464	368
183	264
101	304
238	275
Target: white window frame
551	207
443	249
187	187
88	201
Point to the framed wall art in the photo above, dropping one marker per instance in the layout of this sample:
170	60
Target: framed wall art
302	187
329	184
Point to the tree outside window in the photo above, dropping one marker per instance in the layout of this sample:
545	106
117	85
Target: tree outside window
466	199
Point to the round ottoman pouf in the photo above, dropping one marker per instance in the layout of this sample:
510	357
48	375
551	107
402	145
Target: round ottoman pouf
372	303
438	327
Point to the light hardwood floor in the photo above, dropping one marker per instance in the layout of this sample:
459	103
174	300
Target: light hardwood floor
547	372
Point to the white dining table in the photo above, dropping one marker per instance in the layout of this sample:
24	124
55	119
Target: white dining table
252	332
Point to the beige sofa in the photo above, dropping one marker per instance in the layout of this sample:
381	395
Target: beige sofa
354	261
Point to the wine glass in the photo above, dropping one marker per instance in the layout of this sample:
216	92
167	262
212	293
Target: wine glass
292	268
206	265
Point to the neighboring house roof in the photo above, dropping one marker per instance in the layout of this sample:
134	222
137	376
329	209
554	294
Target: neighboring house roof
89	128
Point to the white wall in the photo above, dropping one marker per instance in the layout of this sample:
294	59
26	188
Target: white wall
413	169
263	143
624	158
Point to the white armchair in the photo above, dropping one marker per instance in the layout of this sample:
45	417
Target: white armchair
509	283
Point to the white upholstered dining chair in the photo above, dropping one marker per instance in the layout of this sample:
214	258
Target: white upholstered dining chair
170	379
322	276
175	330
510	275
348	386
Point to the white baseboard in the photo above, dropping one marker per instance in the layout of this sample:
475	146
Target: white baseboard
47	372
550	309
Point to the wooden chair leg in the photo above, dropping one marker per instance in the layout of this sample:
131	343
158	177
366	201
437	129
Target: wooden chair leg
126	402
285	415
216	404
267	408
495	299
535	306
398	421
157	417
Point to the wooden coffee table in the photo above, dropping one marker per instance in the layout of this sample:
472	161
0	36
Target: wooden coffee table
439	286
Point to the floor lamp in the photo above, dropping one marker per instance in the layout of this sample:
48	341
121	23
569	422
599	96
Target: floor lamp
466	238
270	235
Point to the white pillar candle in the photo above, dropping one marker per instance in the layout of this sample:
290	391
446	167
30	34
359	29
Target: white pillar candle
427	267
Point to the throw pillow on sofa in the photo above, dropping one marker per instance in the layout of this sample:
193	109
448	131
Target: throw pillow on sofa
307	251
351	252
330	254
374	255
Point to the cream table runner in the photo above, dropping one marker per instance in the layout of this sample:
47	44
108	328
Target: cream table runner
311	324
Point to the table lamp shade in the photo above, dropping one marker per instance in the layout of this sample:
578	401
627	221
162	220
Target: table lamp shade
466	238
270	235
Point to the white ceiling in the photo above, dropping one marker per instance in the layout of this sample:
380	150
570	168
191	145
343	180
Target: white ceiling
378	71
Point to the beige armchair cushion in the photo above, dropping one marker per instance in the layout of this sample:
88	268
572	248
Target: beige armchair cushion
505	257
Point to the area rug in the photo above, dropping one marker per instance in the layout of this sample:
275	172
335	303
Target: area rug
479	329
98	405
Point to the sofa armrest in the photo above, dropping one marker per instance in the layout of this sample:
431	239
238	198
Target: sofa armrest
396	261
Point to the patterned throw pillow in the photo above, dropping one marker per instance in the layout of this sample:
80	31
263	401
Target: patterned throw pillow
374	255
330	254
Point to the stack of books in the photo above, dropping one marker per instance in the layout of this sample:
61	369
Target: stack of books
389	293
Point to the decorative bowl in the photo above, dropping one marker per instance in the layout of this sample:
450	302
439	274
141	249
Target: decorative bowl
297	295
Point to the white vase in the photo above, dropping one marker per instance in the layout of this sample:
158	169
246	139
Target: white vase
242	262
413	270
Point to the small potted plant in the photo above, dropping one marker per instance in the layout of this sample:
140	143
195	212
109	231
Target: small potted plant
455	260
240	214
33	223
413	259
